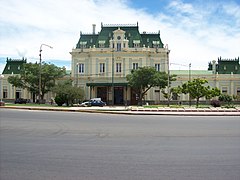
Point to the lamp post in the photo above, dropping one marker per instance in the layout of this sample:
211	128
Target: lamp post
168	82
40	70
77	70
189	81
112	78
1	91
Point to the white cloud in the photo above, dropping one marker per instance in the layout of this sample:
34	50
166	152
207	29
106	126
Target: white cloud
192	31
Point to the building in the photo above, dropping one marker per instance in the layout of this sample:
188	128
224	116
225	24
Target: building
8	92
223	74
100	62
12	68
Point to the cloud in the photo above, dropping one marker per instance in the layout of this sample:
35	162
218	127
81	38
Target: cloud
196	32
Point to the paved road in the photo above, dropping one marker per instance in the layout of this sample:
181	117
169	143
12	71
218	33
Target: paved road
39	145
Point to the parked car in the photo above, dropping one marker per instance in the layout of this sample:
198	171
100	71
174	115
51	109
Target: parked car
93	103
20	101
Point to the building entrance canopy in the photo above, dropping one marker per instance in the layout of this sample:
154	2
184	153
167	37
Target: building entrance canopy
106	84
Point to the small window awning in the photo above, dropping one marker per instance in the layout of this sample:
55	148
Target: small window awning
106	84
83	42
156	42
136	41
101	42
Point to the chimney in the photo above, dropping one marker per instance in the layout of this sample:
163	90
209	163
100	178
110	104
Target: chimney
214	68
94	28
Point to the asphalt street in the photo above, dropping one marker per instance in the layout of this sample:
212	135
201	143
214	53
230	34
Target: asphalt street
39	145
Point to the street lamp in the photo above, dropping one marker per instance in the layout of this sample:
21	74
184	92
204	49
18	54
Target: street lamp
1	77
168	82
189	81
112	77
40	70
77	70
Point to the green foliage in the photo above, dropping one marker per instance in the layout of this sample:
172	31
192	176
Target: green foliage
144	78
141	80
68	93
60	100
225	98
174	91
29	77
197	89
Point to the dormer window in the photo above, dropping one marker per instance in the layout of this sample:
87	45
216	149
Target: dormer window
136	43
156	44
83	44
101	44
9	67
19	67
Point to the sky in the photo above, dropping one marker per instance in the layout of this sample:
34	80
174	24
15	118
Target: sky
196	31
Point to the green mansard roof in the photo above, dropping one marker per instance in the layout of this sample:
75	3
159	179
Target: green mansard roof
226	66
14	66
131	34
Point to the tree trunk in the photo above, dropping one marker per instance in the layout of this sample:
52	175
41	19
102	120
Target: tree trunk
197	102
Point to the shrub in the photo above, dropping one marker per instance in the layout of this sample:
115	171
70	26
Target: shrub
215	103
59	100
226	98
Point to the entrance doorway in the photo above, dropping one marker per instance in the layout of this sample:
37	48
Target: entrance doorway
118	96
134	97
102	93
18	94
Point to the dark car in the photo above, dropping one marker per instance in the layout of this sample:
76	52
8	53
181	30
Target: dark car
20	101
93	103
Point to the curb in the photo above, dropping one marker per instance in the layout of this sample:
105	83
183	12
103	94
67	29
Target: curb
141	111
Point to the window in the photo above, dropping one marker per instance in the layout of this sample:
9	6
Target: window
156	44
118	67
136	43
83	44
101	44
157	67
102	67
135	66
238	91
81	68
5	92
118	46
224	90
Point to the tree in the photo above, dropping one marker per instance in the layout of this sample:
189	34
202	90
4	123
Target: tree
141	80
29	77
163	84
197	90
174	91
226	98
144	78
66	93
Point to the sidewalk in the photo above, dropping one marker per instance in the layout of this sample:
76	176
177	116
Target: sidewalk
190	111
